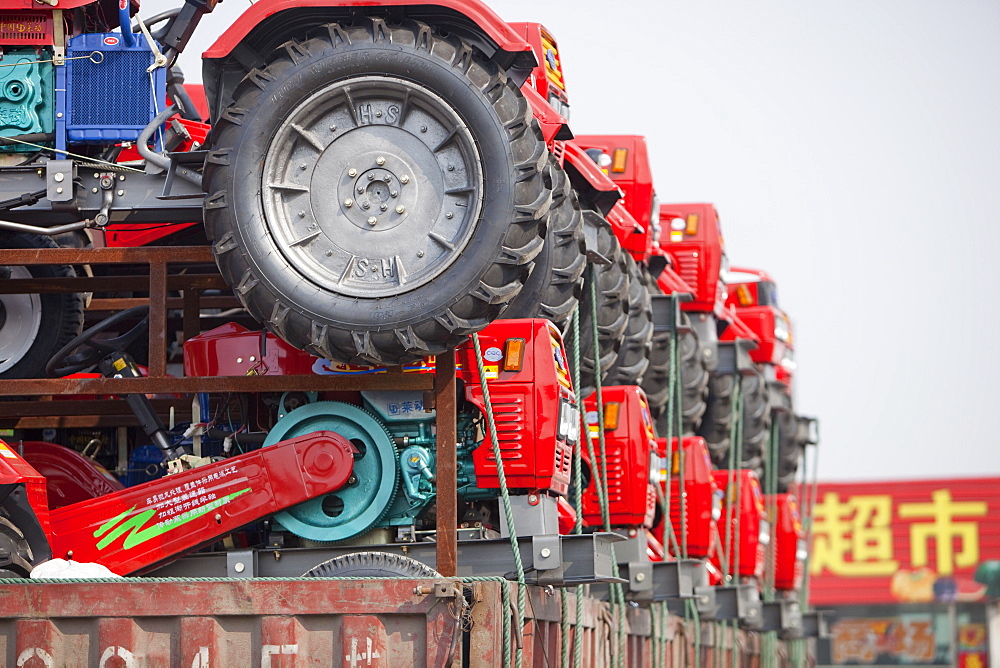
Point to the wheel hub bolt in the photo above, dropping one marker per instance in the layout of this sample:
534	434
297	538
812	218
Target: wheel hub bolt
387	178
352	172
383	206
404	179
371	176
372	220
348	202
380	161
361	189
394	194
400	208
366	205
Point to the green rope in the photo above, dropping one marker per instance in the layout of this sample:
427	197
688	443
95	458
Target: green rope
730	570
674	412
504	492
578	479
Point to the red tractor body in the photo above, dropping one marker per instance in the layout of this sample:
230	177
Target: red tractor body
753	295
630	445
788	548
750	533
702	507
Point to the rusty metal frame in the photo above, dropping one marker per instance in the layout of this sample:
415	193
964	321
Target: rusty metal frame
23	413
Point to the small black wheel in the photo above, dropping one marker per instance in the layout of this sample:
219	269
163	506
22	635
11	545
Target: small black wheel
371	565
553	289
612	292
756	423
34	326
376	193
630	365
102	339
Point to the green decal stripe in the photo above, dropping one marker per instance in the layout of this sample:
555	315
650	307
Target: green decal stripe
138	535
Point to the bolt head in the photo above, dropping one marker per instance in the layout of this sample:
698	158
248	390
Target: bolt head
404	179
303	166
451	168
361	189
366	205
371	176
420	253
532	499
546	553
348	202
380	161
400	208
639	577
352	172
372	220
121	193
394	193
449	215
329	253
383	206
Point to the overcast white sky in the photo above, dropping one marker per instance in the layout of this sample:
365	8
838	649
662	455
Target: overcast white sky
853	151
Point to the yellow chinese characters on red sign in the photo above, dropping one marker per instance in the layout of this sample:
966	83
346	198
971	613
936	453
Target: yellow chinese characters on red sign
917	541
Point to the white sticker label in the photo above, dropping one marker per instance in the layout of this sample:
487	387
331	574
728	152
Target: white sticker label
5	452
493	354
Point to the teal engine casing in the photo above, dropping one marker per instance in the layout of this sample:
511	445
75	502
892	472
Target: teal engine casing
27	100
394	471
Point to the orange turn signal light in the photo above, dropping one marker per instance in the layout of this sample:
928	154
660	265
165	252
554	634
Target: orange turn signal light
692	224
743	294
618	160
513	354
611	416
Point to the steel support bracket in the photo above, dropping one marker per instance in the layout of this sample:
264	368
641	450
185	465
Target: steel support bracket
815	624
783	616
241	564
734	357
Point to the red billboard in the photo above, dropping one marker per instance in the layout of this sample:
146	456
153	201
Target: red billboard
903	541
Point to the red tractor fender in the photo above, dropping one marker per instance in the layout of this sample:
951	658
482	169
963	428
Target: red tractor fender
593	185
736	328
553	124
506	38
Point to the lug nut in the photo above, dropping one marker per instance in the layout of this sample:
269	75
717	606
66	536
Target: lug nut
383	206
372	220
400	208
348	202
393	193
371	176
366	205
387	178
352	172
380	161
404	179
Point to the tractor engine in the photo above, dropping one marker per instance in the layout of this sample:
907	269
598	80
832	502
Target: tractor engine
54	62
393	485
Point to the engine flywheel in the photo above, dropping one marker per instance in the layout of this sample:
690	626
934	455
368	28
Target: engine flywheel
355	507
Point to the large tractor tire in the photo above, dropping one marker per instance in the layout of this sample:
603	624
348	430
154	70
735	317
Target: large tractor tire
632	361
553	289
717	423
611	282
694	380
793	435
377	192
34	326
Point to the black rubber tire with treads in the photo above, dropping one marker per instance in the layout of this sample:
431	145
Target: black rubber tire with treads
694	378
554	287
717	423
371	565
632	361
612	305
60	314
306	264
15	553
793	433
